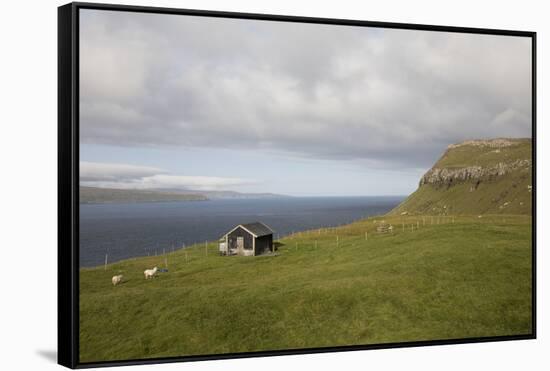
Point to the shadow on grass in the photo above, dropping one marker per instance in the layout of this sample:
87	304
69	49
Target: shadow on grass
50	355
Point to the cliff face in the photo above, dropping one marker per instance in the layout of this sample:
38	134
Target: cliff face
449	175
476	177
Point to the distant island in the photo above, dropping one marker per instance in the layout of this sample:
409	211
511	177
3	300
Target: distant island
96	195
230	194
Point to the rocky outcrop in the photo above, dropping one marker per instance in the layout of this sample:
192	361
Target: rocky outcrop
477	177
451	175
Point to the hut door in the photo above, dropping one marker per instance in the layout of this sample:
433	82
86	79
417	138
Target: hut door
240	245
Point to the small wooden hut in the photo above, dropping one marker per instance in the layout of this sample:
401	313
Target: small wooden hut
247	239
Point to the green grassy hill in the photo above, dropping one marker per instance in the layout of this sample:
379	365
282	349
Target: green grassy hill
476	177
433	277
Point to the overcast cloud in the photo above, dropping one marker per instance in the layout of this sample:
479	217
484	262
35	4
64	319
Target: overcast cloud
108	175
379	97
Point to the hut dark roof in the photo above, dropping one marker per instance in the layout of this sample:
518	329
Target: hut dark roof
259	229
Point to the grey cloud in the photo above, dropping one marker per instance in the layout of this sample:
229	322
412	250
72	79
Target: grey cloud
380	96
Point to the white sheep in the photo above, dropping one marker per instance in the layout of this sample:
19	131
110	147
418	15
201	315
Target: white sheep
150	272
117	279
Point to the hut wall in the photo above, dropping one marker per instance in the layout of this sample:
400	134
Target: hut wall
264	244
239	232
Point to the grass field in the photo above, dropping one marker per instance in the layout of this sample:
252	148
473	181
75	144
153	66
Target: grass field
505	195
439	278
468	155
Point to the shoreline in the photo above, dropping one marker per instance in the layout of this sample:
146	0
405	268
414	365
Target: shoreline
126	231
375	218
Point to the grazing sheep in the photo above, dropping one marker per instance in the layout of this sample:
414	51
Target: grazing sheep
117	279
150	272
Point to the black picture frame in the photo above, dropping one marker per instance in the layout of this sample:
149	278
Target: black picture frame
68	180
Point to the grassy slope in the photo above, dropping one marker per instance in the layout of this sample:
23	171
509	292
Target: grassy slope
489	197
449	280
491	194
469	155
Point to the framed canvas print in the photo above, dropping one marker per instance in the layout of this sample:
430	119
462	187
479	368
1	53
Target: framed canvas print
237	185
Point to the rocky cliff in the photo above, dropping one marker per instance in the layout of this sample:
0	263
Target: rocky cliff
476	177
450	175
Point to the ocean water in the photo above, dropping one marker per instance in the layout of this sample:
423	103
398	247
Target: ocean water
139	229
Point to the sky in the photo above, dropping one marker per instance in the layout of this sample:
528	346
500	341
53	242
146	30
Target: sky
187	102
